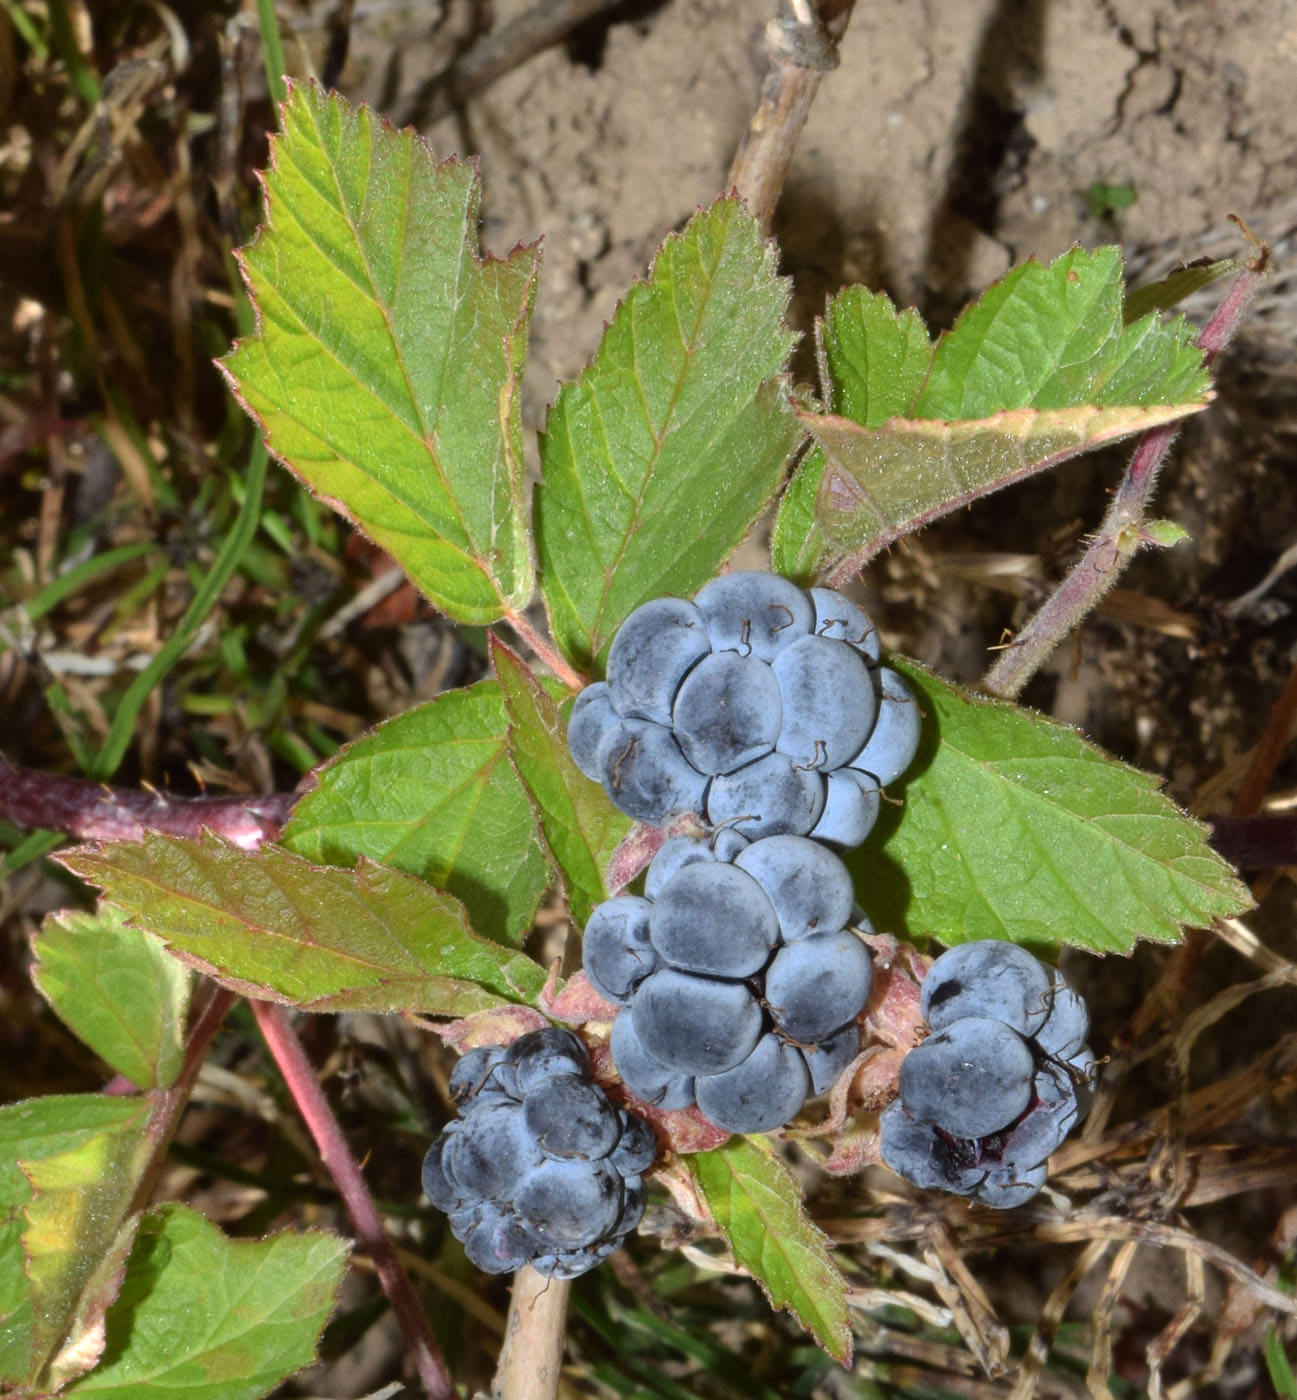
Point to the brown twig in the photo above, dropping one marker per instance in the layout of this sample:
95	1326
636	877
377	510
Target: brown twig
1170	988
96	812
1269	750
489	59
1051	1317
802	43
370	1235
1084	1227
531	1360
1124	531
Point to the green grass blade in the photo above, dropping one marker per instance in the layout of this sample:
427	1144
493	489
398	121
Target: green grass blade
76	578
205	599
272	49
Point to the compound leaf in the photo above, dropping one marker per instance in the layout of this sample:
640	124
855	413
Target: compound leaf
275	926
1043	366
1016	827
203	1317
432	793
657	461
386	364
757	1204
582	828
118	989
69	1169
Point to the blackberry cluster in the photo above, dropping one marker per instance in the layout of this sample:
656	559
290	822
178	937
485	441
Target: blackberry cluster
542	1168
998	1084
739	978
759	704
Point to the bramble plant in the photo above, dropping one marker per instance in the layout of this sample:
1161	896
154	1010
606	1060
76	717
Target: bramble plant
385	371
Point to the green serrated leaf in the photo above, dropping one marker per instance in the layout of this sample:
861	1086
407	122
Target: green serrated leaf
1040	368
272	925
1054	338
874	360
757	1204
202	1317
386	364
119	990
582	828
432	793
658	460
69	1168
1016	827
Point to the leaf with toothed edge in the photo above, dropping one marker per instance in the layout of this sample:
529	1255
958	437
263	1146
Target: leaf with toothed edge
386	364
204	1317
70	1166
432	792
879	486
757	1203
1178	285
1014	826
118	989
658	460
272	925
1042	367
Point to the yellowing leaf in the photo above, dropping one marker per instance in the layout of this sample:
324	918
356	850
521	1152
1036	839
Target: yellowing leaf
880	484
69	1169
202	1317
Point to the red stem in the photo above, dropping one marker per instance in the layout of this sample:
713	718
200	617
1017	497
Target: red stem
96	812
211	1006
370	1234
544	649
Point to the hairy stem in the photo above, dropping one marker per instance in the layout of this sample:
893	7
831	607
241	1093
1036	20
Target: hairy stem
801	42
96	812
1123	532
371	1237
531	1360
212	1005
545	649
